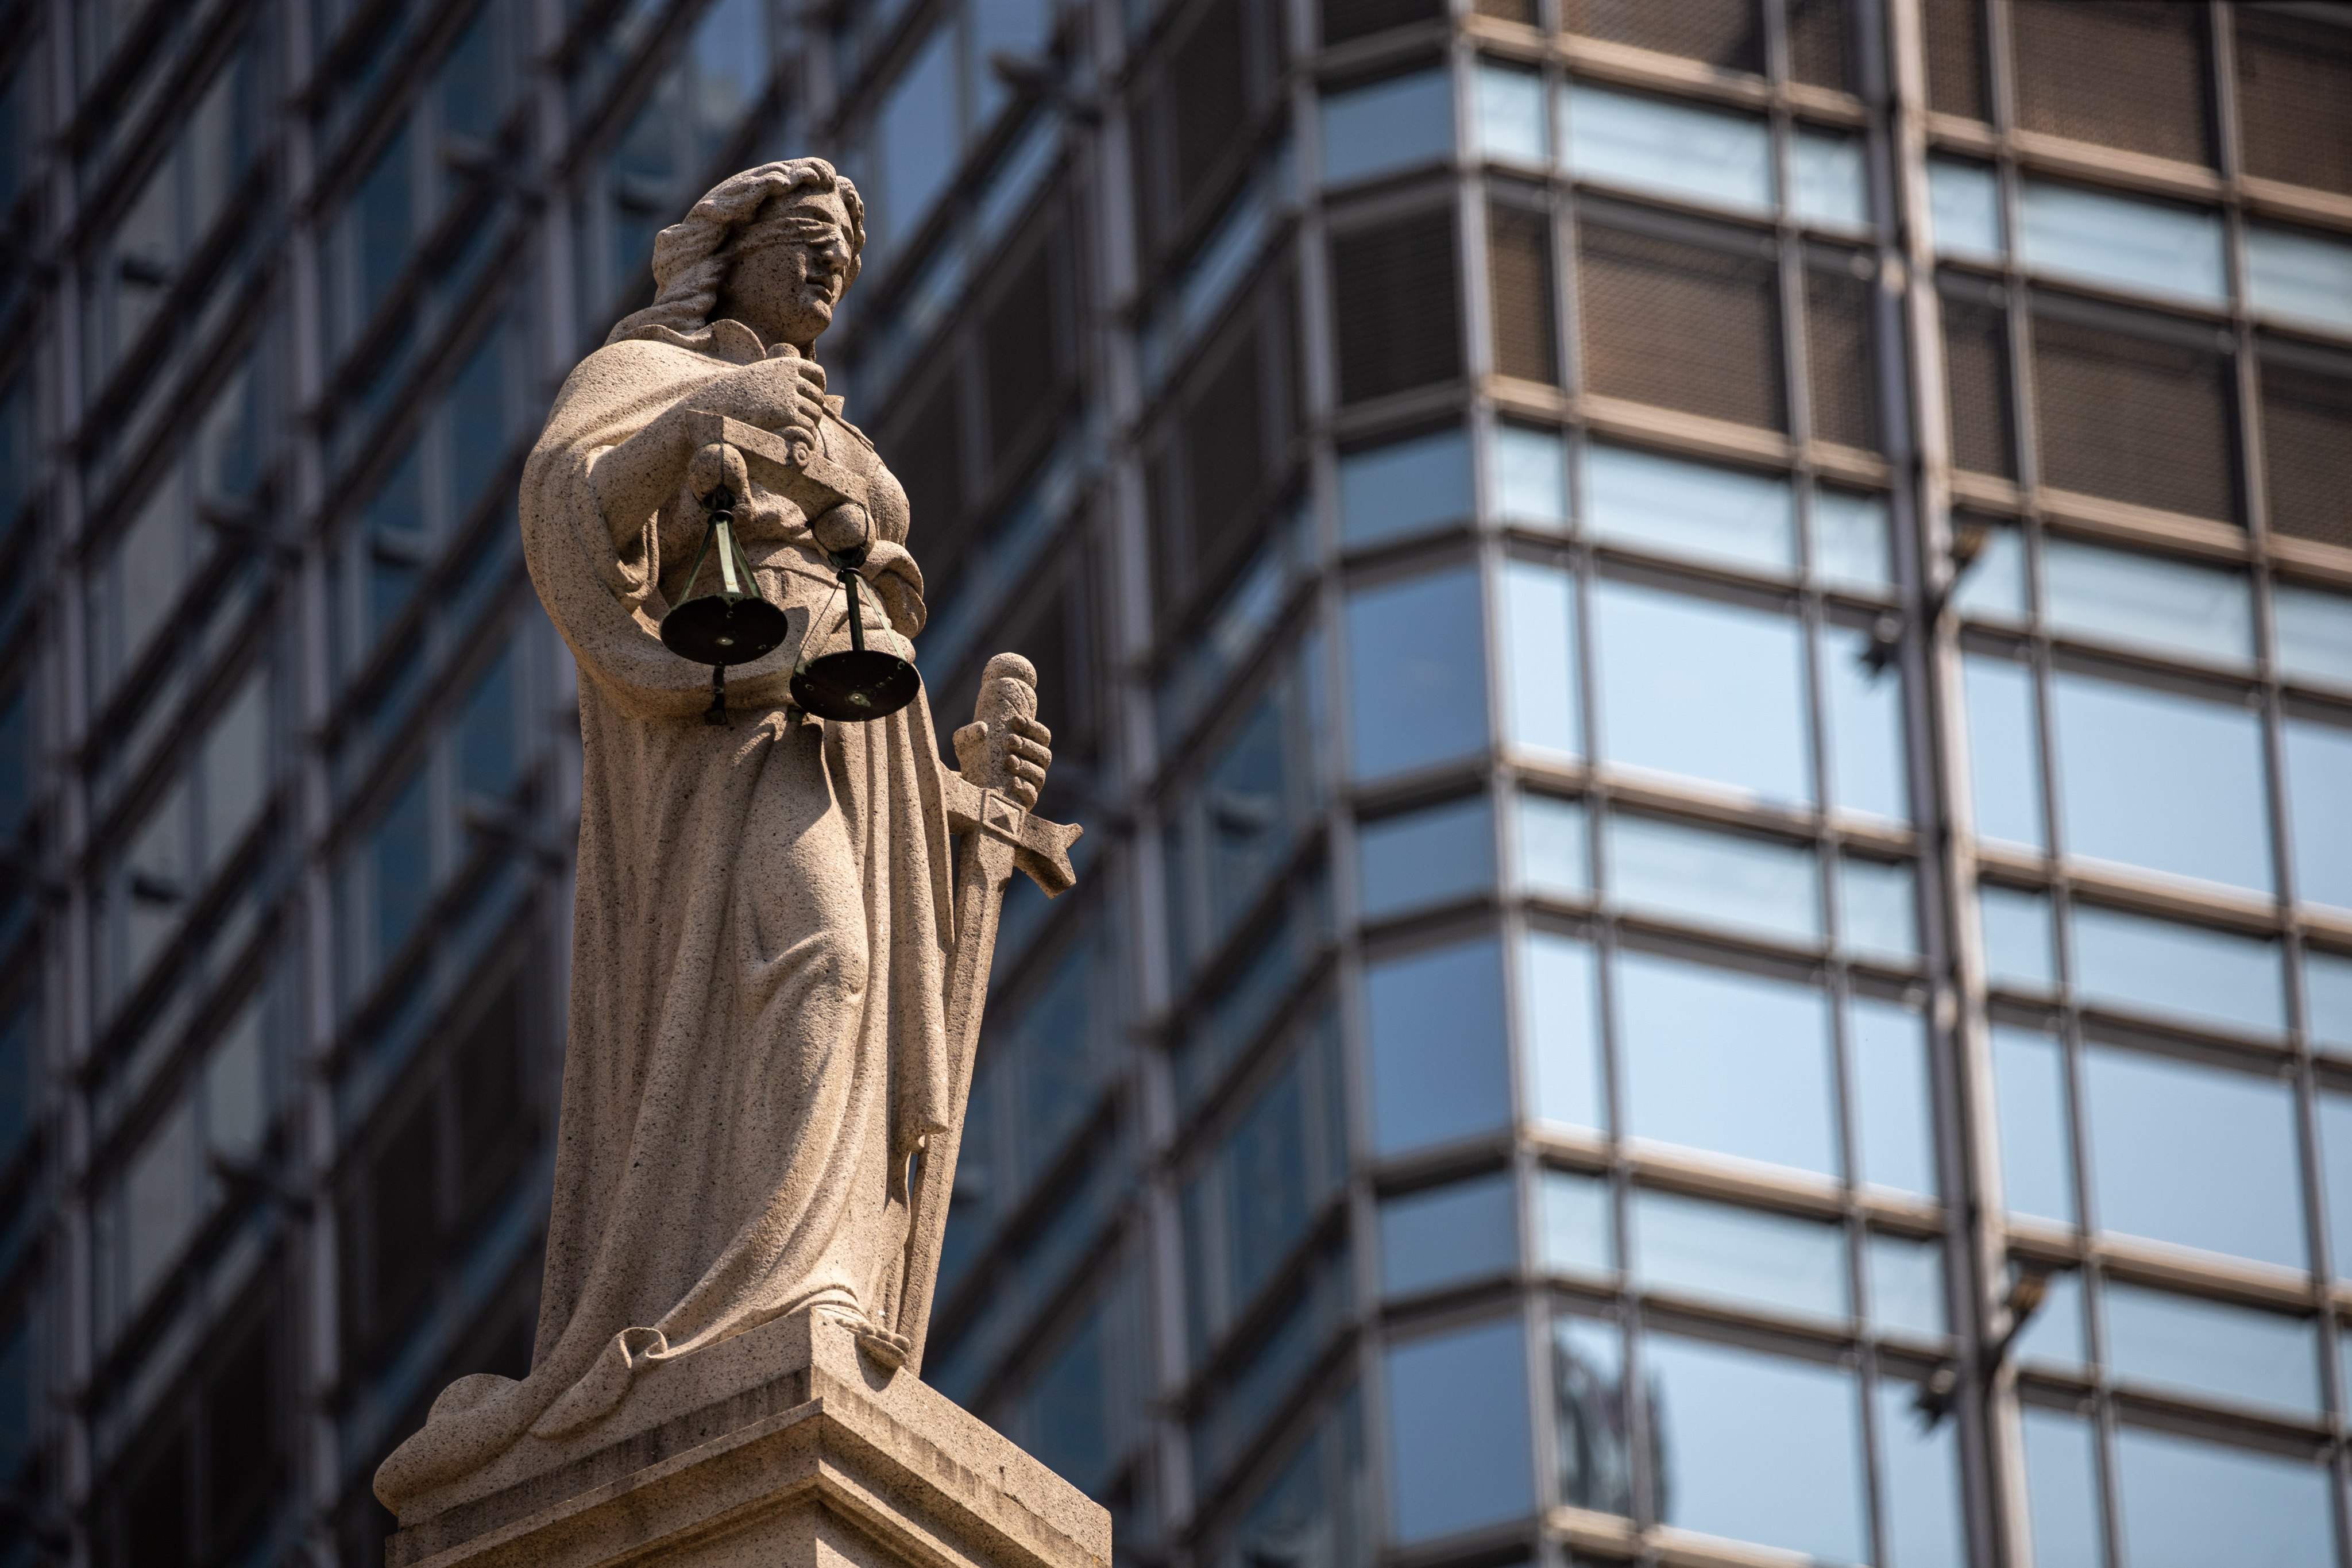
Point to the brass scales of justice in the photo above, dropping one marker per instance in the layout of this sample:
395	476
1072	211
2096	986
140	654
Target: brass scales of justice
996	836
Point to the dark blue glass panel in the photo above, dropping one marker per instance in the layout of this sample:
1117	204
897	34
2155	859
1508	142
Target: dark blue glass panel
1427	856
1458	1438
1406	487
1436	1045
1449	1235
1592	1440
1417	676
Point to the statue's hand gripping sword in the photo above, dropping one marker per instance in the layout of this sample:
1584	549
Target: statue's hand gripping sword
999	836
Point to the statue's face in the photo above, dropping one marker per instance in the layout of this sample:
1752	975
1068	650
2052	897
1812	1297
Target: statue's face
786	290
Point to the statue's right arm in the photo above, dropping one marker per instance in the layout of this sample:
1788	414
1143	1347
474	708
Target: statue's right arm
632	479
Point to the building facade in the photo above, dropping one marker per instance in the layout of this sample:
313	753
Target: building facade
1707	649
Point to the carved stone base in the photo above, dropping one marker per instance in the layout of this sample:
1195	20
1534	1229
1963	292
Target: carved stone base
829	1459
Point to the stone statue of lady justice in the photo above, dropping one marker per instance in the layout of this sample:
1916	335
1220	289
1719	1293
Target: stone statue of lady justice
777	967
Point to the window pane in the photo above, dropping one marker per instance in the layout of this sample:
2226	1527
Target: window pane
1919	1482
1907	1285
1560	1031
1689	1246
1591	1442
1829	180
2194	1155
2004	756
2318	786
1714	692
1427	856
2171	783
1690	509
1992	580
1894	1132
2187	1505
1757	1447
1865	726
1389	125
2029	1091
2203	1347
1465	1231
1418	686
1732	1062
2016	928
1850	540
2315	633
2062	1484
1530	469
2147	601
1553	855
1436	1041
2142	965
1540	658
1878	910
2327	992
1513	120
1964	204
1649	143
917	136
1575	1225
1458	1436
1731	880
1406	487
2124	243
2303	276
2053	1335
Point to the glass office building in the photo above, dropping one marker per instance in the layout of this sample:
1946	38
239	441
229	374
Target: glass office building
1706	648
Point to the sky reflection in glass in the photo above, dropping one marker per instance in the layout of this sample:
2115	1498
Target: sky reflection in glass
2315	633
2155	967
2029	1091
1679	508
2171	783
2004	756
2193	1155
1907	1285
1390	124
1827	171
1406	487
2124	243
1850	540
1725	1061
1759	1447
1964	208
1894	1131
2295	273
1692	1248
1469	1230
1707	690
1530	473
1514	120
2173	1490
2062	1484
2016	927
1919	1480
1677	148
2319	807
1426	858
1560	1032
1591	1438
1575	1228
1766	886
1538	613
2209	1349
2166	606
1865	726
1878	910
1554	850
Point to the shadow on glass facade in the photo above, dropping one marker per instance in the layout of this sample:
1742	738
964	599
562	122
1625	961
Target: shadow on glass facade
1707	649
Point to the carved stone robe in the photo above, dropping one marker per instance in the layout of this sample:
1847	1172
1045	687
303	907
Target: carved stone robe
763	918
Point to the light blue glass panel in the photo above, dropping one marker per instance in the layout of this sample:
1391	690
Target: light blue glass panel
1540	658
2193	1155
2147	601
1436	1039
2053	1336
2299	275
1406	487
1679	149
1894	1131
1919	1482
1417	678
1850	535
2124	243
1514	119
1458	1439
1964	206
1828	169
1560	1032
2062	1489
2016	930
1878	908
2142	965
1907	1285
1757	1448
2190	1505
916	135
1735	1063
1690	509
2030	1092
1465	1231
1555	860
2327	998
1576	1226
1591	1445
2207	1349
2319	809
1530	469
1391	124
2173	784
2315	633
1991	586
1706	877
2004	755
1691	1247
1708	691
2336	1172
1426	856
1865	726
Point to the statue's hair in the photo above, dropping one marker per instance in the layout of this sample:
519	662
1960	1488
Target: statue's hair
691	259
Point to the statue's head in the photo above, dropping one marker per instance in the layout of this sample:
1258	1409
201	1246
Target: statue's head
775	248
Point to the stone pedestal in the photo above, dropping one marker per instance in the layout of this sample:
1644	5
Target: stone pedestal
784	1447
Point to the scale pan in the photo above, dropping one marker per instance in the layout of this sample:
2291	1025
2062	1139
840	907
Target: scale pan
715	629
855	684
